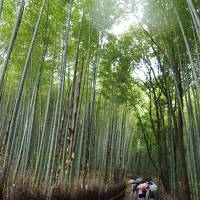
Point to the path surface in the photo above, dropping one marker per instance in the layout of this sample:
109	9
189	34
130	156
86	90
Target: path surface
129	196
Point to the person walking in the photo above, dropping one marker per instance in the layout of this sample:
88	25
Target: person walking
143	188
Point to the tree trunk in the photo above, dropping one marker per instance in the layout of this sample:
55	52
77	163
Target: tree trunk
1	6
12	42
182	156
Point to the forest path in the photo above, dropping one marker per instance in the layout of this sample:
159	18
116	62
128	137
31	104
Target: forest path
129	196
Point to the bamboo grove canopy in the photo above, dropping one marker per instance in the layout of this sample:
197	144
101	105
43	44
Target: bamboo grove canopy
74	104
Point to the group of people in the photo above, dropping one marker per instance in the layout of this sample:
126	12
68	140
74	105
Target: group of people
143	188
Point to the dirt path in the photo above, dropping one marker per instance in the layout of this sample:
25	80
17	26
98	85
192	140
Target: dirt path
162	196
129	196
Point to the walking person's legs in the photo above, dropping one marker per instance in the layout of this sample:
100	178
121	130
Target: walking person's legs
147	194
141	195
152	196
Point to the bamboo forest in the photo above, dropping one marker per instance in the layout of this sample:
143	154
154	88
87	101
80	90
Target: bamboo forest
96	92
